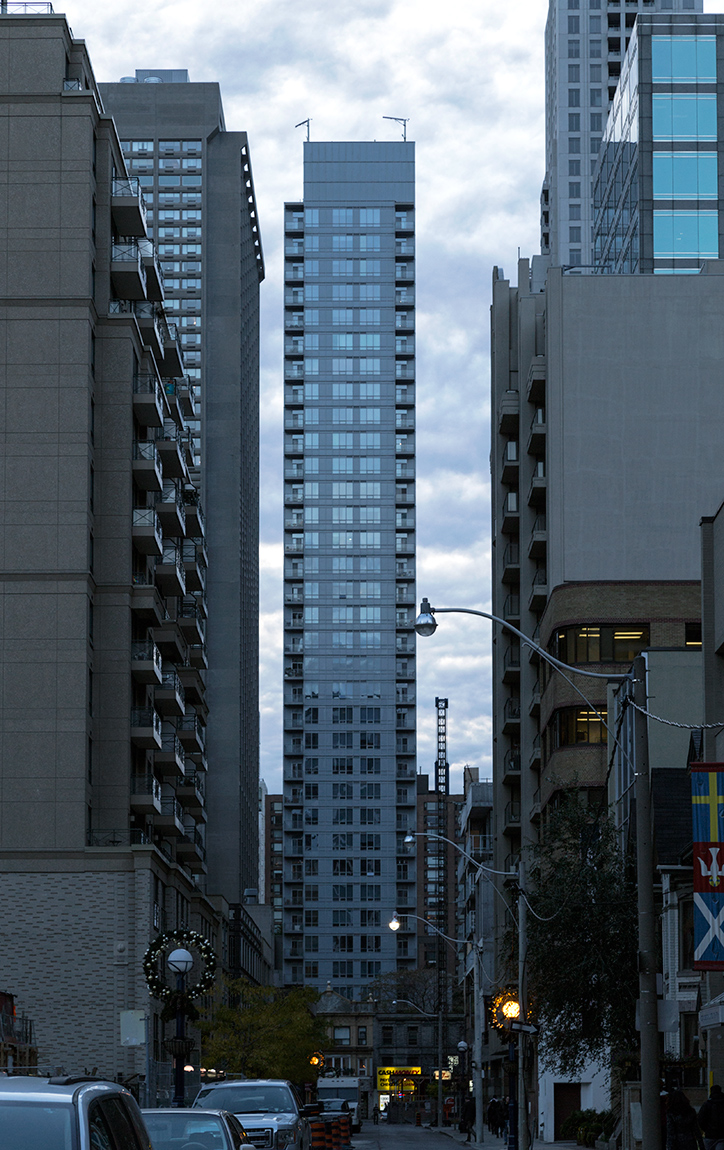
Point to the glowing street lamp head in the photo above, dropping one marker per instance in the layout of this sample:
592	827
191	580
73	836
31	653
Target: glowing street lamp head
394	923
511	1009
425	622
409	838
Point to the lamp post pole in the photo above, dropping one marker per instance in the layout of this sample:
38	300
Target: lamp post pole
180	962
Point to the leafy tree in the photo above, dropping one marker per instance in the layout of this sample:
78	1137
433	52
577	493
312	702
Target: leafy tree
417	986
264	1032
582	950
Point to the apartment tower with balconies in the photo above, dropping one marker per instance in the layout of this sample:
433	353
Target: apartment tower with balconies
349	565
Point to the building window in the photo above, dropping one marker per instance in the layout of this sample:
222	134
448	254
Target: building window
574	49
388	1035
683	59
574	257
573	726
574	98
413	1036
684	116
342	1033
574	121
600	643
361	1035
574	235
574	145
685	175
686	235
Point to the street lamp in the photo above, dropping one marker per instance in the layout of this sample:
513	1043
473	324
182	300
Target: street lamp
179	963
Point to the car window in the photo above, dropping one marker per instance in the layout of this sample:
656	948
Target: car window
171	1131
34	1126
248	1098
115	1114
237	1131
100	1135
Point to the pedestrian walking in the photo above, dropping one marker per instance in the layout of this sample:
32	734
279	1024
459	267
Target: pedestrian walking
468	1117
711	1120
682	1127
375	1114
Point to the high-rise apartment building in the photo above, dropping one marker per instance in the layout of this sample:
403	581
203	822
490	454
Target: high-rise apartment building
349	576
197	180
586	42
102	758
656	188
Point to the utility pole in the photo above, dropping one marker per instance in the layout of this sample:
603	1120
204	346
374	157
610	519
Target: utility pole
648	1010
478	1011
523	1016
442	787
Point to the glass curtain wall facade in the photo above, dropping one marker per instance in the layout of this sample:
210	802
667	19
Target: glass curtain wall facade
349	575
657	184
586	42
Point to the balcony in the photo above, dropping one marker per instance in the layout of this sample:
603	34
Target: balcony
145	728
511	514
404	421
405	593
508	412
194	684
146	662
294	421
535	810
170	509
147	471
198	657
404	296
511	716
170	574
512	816
404	469
511	767
404	445
536	383
171	450
511	664
405	520
404	546
537	434
192	733
128	206
146	603
191	619
169	698
170	820
195	518
191	792
128	274
539	593
538	487
294	546
534	704
193	553
170	758
509	472
534	758
294	671
145	794
405	644
294	369
295	595
511	608
191	849
152	268
174	647
173	360
147	401
511	564
184	391
480	846
538	539
294	295
146	531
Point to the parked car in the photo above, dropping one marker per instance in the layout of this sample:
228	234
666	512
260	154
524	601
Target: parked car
334	1106
194	1130
269	1109
73	1112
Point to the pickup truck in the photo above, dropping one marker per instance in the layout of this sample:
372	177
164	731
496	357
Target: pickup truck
269	1109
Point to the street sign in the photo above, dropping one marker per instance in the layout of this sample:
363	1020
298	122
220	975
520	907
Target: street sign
525	1027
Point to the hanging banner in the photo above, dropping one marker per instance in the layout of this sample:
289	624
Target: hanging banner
707	801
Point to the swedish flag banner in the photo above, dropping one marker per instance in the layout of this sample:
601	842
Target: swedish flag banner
707	800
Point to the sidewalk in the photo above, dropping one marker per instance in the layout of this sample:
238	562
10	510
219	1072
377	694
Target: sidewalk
489	1140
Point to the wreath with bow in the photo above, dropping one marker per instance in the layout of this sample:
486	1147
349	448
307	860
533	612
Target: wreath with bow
173	999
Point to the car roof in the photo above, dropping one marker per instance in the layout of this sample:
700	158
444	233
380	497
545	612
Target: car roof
59	1090
177	1110
253	1082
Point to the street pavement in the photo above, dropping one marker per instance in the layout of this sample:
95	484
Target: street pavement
402	1136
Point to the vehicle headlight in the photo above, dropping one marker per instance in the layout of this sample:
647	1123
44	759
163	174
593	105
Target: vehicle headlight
287	1137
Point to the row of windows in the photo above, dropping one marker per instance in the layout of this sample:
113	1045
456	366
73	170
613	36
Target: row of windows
367	465
340	316
679	234
603	643
594	99
574	145
594	73
344	740
345	243
343	414
367	293
574	49
571	726
364	689
364	389
165	147
345	892
342	918
346	441
344	765
148	165
594	24
344	868
341	341
685	175
684	116
344	268
683	59
347	217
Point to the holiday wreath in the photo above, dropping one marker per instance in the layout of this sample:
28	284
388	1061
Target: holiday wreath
159	988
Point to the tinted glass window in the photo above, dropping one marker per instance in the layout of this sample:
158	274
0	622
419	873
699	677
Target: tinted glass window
686	235
684	116
169	1131
685	175
118	1118
683	59
37	1127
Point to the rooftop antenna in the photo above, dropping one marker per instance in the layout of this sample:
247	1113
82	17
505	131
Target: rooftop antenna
301	125
400	120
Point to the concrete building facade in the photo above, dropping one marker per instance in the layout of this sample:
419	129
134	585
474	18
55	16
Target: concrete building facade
197	179
349	577
586	42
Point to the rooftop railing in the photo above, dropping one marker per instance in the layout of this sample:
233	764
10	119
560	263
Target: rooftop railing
25	8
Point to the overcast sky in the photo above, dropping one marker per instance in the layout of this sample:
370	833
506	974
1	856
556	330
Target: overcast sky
469	75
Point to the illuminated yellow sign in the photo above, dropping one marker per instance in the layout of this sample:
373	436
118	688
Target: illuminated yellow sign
393	1077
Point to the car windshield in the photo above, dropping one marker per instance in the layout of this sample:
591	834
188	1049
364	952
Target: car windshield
171	1131
248	1098
38	1125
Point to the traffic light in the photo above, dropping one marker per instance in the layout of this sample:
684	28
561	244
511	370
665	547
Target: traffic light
316	1059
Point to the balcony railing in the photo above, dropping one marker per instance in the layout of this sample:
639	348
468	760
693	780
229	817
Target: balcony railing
118	838
512	812
146	784
26	8
511	710
146	651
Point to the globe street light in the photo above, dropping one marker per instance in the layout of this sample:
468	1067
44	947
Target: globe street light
180	962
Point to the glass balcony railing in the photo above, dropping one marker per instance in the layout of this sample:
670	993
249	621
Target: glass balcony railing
146	651
146	717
